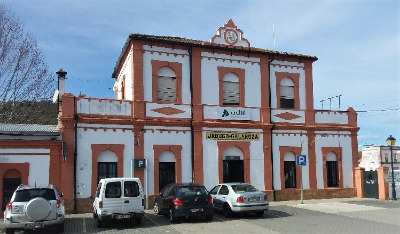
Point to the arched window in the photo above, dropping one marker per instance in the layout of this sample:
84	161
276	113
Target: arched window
290	170
332	170
107	165
287	93
230	90
166	85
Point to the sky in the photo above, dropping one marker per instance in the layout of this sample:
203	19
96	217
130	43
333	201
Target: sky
357	43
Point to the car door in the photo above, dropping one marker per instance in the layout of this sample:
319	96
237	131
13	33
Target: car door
222	196
168	196
163	205
112	201
214	195
132	197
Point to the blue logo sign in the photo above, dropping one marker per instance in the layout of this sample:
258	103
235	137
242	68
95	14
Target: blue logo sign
301	160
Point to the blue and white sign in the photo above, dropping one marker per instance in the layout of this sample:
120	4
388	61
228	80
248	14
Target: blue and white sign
232	113
301	160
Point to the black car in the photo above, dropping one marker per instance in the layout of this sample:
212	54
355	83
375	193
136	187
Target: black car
183	200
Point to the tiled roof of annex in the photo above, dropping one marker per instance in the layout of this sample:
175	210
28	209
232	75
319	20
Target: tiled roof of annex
204	44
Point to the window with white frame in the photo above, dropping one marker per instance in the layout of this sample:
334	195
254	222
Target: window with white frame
287	93
230	90
166	85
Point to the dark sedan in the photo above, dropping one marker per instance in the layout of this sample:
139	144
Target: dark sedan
183	200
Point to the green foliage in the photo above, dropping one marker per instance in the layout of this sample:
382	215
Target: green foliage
29	112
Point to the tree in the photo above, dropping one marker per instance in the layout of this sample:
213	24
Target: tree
24	76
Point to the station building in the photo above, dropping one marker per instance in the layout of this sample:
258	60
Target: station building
206	112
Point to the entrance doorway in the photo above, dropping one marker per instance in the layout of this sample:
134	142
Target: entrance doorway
166	174
233	171
9	186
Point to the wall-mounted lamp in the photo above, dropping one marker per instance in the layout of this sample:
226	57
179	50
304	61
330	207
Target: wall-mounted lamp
142	131
322	135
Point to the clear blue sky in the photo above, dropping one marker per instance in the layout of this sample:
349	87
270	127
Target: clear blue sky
357	43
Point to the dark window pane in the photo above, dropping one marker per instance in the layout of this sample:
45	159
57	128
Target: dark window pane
131	189
290	174
113	190
287	103
106	170
332	173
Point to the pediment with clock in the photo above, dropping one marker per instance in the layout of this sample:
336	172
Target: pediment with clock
229	34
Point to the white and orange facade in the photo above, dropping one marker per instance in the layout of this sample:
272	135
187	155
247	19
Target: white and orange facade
221	100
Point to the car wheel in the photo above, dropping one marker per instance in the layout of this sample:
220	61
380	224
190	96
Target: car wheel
138	221
60	228
156	208
10	230
227	211
209	217
259	213
172	217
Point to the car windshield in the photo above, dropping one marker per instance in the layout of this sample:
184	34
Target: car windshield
243	188
28	194
192	190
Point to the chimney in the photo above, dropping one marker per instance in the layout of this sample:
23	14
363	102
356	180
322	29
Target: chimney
61	83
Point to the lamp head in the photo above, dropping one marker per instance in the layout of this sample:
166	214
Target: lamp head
391	140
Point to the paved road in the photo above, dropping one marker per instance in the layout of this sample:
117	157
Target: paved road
314	216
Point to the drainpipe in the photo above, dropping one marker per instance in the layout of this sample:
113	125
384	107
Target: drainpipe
273	125
191	112
75	151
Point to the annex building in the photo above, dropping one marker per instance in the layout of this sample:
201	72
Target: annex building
205	112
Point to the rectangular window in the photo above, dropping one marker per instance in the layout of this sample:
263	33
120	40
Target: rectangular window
106	170
166	89
131	189
113	190
332	173
230	95
290	174
287	97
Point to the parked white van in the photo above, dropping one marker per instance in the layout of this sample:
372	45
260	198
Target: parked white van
118	198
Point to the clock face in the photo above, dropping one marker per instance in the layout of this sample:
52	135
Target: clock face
231	36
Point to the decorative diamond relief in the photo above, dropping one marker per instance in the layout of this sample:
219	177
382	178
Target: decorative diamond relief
287	116
168	111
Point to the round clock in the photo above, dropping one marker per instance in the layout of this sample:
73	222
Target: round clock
231	36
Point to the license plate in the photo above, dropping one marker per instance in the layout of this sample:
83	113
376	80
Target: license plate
34	226
196	210
123	216
254	199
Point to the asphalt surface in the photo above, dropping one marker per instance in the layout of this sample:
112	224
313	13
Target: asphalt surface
351	215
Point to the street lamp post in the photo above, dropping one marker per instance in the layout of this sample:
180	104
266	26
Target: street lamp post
391	141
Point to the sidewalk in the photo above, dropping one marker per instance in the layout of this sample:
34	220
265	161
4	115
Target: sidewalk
332	200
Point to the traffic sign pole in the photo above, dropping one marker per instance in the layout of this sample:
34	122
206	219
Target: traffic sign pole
301	182
301	160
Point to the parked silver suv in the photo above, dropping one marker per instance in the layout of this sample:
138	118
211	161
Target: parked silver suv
34	208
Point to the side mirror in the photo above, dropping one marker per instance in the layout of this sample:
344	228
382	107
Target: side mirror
61	194
91	197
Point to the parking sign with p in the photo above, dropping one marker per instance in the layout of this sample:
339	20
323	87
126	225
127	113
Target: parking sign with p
301	160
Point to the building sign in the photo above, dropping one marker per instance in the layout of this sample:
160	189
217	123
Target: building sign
140	163
232	136
232	158
230	113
